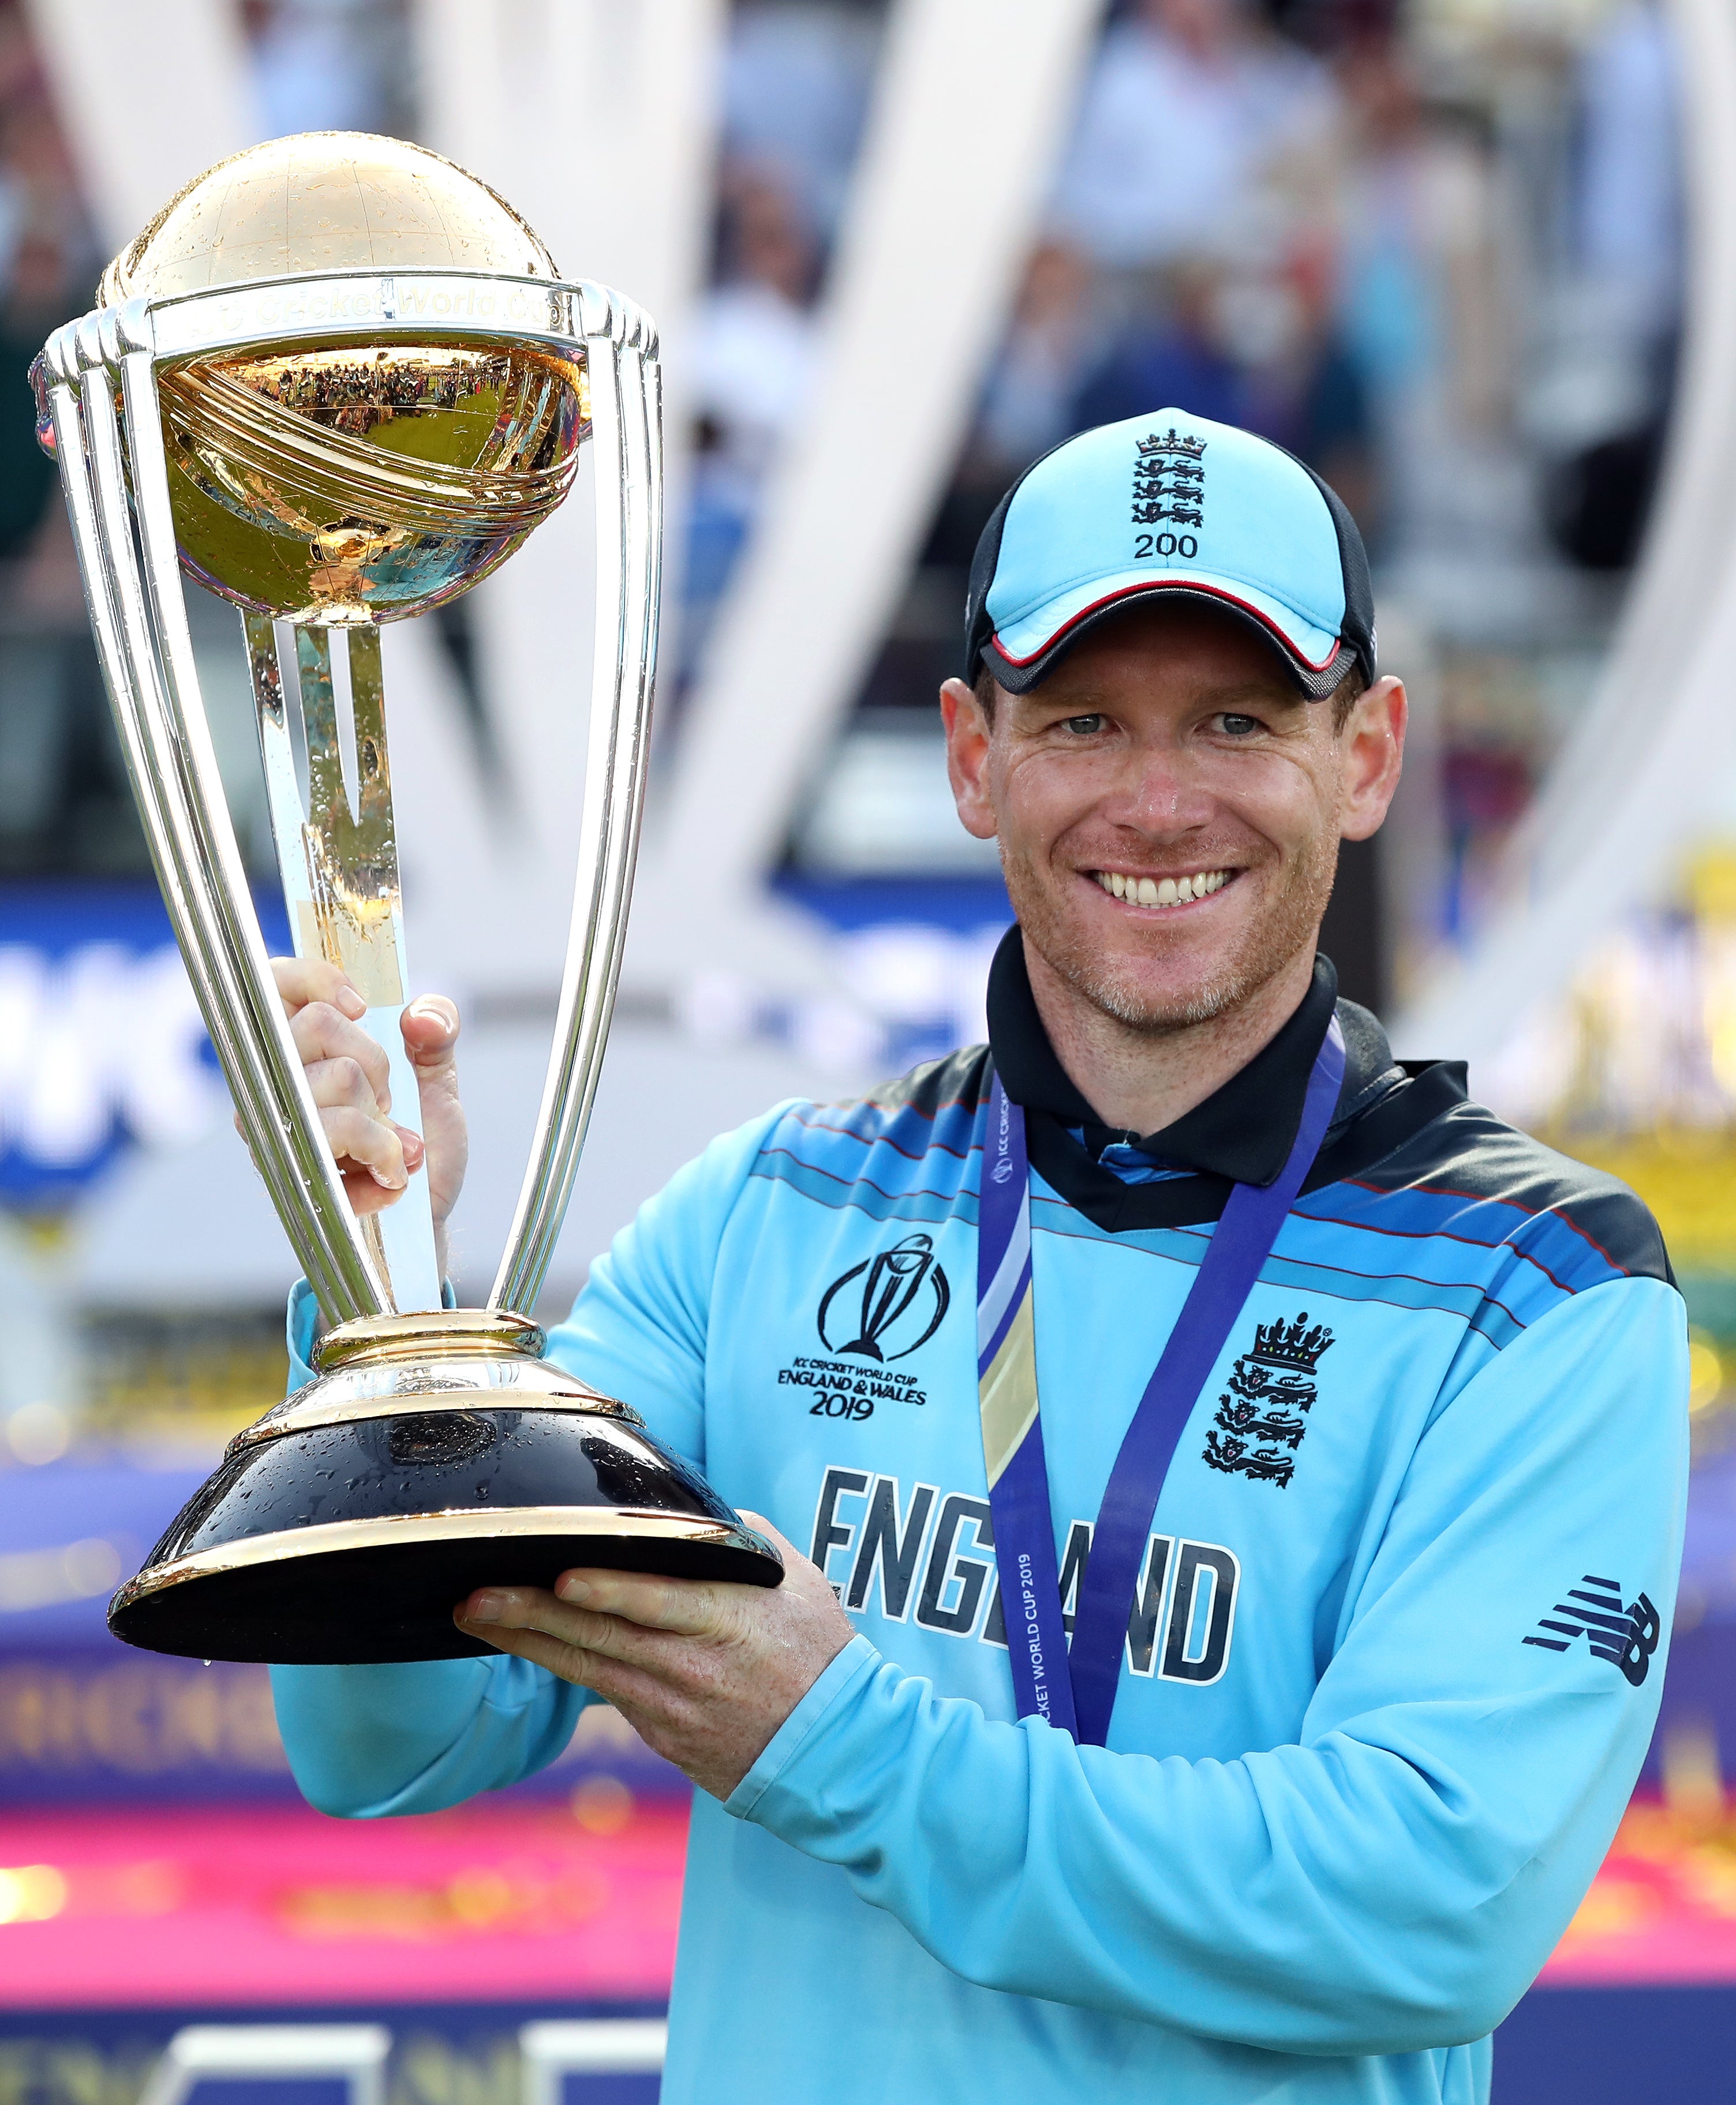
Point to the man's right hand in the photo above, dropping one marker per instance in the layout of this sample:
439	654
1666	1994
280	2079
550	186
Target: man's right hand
346	1071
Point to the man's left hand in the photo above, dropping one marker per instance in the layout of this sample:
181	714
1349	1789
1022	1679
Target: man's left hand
704	1672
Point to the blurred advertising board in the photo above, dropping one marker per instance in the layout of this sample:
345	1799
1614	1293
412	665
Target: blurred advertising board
101	1045
83	1719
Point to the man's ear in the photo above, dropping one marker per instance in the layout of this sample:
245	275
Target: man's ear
1371	753
968	736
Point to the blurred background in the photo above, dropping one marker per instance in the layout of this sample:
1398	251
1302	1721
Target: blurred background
1475	261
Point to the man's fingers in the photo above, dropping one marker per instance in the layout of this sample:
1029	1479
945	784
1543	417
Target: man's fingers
321	1032
618	1681
614	1636
302	979
349	1075
346	1067
532	1608
369	1143
687	1607
343	1084
706	1672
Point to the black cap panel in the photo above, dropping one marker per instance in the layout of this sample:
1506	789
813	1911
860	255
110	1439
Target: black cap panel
1315	682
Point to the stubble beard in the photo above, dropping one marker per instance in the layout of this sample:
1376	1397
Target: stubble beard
1289	922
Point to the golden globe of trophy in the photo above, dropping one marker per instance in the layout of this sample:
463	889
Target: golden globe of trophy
337	380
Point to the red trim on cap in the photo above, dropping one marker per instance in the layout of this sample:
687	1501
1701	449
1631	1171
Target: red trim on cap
1170	584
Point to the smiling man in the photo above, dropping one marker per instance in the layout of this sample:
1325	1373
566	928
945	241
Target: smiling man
1238	1482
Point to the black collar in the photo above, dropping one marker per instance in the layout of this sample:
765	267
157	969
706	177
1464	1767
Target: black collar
1242	1133
1245	1131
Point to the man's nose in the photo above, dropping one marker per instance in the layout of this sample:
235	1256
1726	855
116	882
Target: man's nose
1158	792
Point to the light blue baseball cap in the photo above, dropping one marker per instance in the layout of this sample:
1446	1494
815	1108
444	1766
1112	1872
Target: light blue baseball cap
1171	504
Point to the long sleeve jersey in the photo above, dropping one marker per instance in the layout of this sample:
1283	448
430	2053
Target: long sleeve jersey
1391	1668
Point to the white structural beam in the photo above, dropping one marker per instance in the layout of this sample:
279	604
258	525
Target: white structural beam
941	213
1653	760
597	122
151	96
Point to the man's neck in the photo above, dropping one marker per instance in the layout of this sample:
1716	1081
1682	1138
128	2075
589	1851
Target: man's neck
1141	1081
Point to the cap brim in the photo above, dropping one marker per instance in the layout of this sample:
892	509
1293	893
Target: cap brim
1026	649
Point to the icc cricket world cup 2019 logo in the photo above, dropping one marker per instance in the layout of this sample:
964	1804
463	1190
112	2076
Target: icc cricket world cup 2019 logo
904	1297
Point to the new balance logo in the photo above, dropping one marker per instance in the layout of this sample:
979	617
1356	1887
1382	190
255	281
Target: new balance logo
1626	1637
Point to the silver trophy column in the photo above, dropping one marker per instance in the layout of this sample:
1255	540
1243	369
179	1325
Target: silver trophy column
436	1451
133	593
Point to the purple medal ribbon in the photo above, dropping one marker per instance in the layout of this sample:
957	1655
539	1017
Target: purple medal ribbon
1077	1691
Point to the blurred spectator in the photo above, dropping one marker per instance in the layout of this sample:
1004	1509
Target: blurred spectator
795	92
1604	408
47	264
329	65
63	800
1171	352
1027	404
1418	305
1253	346
1304	388
1629	206
750	368
1190	105
753	340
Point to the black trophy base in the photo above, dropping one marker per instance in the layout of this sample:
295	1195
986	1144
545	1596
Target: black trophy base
377	1601
433	1454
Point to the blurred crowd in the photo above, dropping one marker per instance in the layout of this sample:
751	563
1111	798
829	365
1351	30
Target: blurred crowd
1432	246
1433	251
60	772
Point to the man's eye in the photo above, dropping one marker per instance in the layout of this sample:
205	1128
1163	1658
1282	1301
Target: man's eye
1237	726
1085	726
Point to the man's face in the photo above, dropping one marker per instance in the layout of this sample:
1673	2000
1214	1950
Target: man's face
1168	809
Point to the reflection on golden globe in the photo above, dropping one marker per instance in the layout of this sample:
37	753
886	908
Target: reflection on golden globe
356	480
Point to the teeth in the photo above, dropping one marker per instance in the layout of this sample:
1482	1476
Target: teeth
1162	891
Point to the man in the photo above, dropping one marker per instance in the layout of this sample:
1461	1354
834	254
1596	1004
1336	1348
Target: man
1193	115
1385	1578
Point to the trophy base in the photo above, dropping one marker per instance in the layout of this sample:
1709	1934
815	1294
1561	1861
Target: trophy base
433	1453
359	1592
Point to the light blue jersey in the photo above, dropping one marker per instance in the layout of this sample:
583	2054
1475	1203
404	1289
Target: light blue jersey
1389	1677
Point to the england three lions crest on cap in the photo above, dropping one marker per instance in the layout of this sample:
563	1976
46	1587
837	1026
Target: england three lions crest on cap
1168	479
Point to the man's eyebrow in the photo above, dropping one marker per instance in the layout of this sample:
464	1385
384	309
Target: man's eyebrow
1089	701
1268	693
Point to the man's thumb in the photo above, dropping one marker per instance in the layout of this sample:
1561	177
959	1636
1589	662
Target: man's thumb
431	1047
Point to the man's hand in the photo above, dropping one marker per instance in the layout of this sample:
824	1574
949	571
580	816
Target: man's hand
346	1071
704	1672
